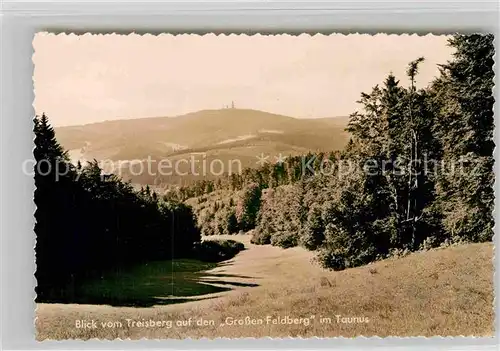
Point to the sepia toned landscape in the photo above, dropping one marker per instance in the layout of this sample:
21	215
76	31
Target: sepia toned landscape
263	186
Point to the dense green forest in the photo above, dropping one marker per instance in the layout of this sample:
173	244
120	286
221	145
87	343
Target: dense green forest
417	173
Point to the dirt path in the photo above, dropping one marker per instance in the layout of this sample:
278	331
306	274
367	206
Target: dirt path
263	264
258	267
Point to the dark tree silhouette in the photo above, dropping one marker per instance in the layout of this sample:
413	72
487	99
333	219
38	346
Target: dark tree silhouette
88	222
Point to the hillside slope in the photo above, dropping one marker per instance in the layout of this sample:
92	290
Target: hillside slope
447	292
226	134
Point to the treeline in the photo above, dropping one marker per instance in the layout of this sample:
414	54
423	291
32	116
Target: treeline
417	172
88	222
269	175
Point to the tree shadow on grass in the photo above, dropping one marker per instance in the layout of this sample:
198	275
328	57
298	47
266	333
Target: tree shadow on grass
238	284
154	283
224	275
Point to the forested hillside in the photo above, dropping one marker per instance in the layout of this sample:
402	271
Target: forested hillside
417	173
223	135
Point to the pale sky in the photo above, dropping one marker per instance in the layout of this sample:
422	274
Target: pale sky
91	78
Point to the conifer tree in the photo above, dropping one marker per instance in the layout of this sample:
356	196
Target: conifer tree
464	112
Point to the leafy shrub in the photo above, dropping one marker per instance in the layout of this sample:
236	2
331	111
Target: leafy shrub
280	216
312	233
248	206
429	243
232	222
260	237
217	250
330	260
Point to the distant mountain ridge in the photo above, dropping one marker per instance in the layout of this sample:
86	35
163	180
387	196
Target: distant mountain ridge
225	133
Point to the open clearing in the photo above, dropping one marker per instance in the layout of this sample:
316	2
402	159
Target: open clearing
439	292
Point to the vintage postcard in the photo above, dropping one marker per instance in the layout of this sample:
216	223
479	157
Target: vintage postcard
230	186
